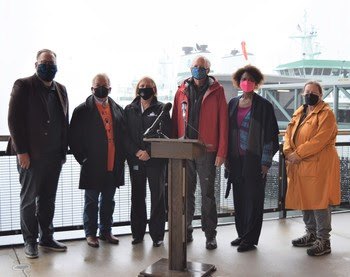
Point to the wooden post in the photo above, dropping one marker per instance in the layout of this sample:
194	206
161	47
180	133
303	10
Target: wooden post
178	151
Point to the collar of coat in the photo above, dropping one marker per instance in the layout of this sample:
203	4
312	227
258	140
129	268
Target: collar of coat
319	107
136	102
213	85
90	102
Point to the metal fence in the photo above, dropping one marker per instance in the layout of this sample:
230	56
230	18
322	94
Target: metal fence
70	200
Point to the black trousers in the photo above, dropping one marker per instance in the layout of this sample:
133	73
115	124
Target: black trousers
248	198
38	195
155	174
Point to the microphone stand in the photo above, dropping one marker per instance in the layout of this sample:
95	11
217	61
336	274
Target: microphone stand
160	133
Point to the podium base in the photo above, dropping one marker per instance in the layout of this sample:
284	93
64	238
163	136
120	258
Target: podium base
161	268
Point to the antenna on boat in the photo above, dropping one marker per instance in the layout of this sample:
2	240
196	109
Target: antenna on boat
308	33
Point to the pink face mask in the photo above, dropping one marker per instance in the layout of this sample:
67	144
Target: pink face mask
247	86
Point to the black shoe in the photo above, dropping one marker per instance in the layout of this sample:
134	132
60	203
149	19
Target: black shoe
243	247
53	245
136	241
157	243
31	250
236	242
189	237
211	244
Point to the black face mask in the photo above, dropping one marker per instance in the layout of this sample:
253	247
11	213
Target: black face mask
146	93
311	99
47	72
101	92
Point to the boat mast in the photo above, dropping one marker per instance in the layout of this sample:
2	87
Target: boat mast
307	36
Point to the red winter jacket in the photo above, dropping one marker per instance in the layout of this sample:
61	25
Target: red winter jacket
213	118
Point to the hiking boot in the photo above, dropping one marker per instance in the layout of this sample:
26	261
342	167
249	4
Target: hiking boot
319	248
307	240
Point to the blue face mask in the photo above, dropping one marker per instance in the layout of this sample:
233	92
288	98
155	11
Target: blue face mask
47	72
199	73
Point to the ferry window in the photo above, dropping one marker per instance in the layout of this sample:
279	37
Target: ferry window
302	72
345	73
335	72
282	72
286	72
308	71
317	71
296	71
326	71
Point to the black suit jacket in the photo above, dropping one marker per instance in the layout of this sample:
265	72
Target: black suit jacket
89	145
28	118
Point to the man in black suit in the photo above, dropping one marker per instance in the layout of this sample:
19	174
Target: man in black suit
38	124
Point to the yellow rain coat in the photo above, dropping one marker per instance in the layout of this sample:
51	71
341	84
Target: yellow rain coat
314	183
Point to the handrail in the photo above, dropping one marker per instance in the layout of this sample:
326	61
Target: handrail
282	133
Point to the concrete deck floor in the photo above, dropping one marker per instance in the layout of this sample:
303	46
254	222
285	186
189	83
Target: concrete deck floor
273	257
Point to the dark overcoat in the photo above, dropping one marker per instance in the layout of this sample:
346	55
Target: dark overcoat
28	118
245	172
89	144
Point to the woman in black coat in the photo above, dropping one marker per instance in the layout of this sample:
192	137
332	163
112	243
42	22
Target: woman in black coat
140	115
253	140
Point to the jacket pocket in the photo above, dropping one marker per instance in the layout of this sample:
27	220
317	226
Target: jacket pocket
308	167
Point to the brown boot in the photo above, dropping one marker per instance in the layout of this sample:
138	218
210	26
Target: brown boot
108	236
92	241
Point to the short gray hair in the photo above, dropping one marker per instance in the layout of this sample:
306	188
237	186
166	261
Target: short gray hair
207	62
103	75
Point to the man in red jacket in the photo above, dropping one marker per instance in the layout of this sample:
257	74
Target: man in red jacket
207	121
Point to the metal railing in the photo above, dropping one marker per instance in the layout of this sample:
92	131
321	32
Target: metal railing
70	200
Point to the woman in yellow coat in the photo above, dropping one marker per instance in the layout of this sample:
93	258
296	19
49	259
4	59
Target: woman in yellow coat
313	169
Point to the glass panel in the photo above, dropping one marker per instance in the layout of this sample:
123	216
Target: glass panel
308	71
326	71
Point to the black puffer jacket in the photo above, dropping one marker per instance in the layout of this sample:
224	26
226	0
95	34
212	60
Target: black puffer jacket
137	123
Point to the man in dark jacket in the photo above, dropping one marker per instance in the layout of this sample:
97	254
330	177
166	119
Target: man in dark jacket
96	139
38	123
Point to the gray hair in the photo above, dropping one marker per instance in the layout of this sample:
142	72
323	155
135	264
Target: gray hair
207	62
102	75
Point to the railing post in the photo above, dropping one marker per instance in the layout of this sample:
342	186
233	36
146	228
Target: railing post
282	183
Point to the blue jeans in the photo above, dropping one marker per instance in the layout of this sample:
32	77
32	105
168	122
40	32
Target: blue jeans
99	201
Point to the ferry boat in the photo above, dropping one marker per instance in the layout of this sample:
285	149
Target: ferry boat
309	67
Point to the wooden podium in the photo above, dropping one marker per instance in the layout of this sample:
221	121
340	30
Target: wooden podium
178	151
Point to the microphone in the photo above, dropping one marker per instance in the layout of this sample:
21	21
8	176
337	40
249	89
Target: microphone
151	130
184	107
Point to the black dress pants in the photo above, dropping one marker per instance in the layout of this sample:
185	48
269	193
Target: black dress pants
156	174
38	195
248	198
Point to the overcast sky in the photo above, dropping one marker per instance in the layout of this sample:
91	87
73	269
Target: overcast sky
125	39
